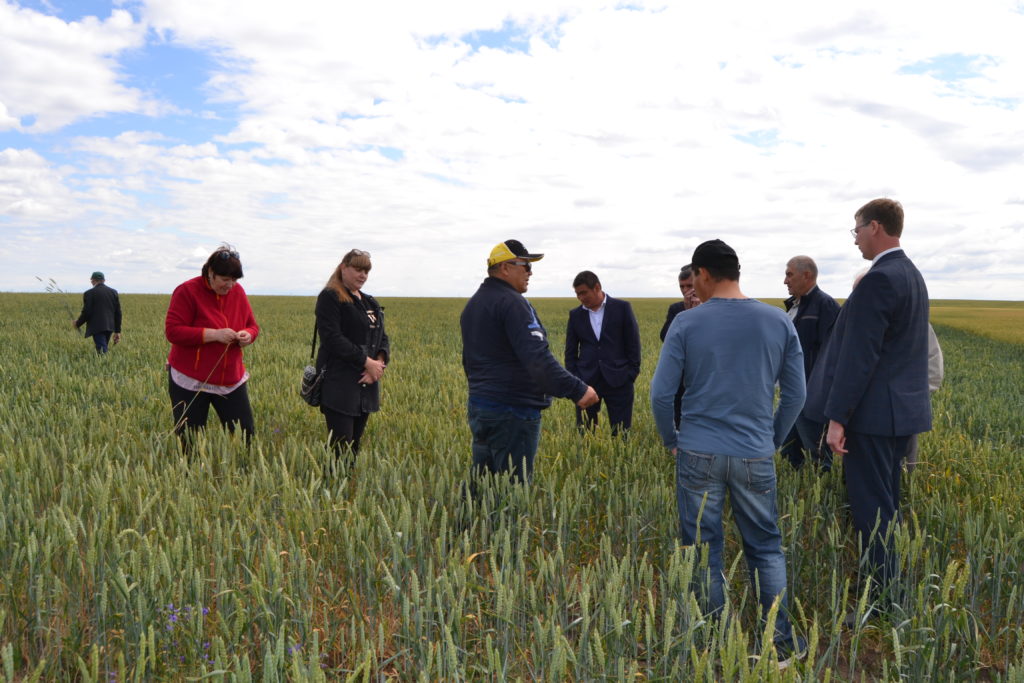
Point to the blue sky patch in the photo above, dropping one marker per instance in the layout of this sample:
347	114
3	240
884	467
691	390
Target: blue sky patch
74	11
176	129
445	179
765	138
949	68
171	74
392	153
511	37
148	199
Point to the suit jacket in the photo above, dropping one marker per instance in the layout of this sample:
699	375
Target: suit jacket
872	376
349	332
101	310
673	310
615	357
814	320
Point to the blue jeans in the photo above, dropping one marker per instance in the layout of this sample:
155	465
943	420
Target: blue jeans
702	481
504	440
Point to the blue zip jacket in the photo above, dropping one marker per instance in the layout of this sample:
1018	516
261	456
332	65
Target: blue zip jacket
505	351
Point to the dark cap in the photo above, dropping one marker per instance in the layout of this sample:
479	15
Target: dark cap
97	276
509	250
715	254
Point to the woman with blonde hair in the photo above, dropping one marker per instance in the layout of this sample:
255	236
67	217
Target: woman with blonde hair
354	349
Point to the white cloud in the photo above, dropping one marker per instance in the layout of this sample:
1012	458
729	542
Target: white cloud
613	137
55	72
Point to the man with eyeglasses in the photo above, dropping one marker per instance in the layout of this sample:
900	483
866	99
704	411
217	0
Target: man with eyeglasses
871	384
509	367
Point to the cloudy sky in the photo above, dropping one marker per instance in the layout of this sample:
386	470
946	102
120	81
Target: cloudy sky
137	135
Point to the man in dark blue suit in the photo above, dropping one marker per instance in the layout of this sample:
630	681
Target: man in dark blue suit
101	313
690	300
602	348
871	383
813	313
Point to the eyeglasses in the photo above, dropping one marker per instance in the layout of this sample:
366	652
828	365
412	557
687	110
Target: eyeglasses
524	264
854	229
226	254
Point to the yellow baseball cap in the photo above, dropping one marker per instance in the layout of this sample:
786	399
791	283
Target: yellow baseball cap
509	250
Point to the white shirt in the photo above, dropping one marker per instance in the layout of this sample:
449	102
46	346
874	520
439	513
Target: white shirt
597	317
887	251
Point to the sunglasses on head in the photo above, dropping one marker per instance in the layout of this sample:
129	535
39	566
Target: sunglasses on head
225	255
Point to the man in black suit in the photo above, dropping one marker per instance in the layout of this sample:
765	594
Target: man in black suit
813	313
101	313
871	383
690	300
602	348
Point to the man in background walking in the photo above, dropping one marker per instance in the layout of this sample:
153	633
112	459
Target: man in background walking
101	313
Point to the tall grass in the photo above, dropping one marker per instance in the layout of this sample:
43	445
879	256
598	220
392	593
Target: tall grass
122	560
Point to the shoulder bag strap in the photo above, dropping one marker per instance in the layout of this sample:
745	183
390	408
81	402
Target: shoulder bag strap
312	348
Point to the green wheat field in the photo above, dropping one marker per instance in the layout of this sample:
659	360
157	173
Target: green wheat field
122	560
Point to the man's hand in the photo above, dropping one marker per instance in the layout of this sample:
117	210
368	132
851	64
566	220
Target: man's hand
836	437
117	337
589	398
244	337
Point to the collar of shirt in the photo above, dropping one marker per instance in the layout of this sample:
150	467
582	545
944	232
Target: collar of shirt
887	251
597	317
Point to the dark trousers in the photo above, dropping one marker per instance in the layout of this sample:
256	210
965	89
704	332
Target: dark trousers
504	441
101	340
345	432
620	407
872	471
807	436
677	404
191	409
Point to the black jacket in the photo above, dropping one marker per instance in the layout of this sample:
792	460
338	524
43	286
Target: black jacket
505	351
615	357
349	332
101	310
814	320
673	310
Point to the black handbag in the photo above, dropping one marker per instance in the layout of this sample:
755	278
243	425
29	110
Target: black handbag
311	379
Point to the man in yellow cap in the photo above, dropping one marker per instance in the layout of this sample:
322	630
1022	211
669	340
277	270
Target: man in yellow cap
510	369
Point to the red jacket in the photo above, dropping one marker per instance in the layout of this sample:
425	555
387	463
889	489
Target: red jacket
195	306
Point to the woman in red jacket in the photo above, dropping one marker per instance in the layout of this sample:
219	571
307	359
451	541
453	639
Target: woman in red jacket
208	322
